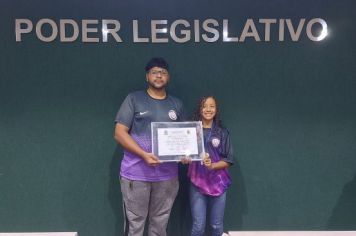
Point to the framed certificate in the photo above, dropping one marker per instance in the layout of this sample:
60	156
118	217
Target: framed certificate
172	141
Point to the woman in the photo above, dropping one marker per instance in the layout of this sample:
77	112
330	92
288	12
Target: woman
210	179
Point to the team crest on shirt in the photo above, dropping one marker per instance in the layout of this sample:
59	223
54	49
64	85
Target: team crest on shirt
215	142
172	114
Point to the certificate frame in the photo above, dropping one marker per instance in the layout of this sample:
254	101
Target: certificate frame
172	141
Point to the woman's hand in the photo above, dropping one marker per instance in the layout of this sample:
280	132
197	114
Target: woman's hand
207	162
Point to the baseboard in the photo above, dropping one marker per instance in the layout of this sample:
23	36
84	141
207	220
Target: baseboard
292	233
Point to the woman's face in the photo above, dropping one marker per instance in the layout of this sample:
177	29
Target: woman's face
208	110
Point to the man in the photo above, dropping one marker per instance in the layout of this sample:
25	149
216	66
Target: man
148	186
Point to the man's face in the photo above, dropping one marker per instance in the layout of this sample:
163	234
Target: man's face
157	77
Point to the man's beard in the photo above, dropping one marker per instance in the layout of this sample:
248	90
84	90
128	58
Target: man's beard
153	85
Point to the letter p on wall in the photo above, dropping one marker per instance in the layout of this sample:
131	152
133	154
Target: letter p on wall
22	26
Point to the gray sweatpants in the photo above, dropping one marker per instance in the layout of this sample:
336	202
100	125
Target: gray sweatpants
154	199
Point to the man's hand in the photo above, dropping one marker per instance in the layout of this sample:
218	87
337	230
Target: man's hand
151	159
186	160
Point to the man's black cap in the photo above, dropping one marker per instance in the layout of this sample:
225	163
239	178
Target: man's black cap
156	62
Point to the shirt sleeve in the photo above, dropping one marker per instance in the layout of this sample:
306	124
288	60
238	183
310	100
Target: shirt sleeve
126	112
182	112
227	152
178	104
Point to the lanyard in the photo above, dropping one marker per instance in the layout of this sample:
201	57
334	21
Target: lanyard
207	140
209	135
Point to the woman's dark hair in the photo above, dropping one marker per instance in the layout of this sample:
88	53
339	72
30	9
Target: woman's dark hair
199	107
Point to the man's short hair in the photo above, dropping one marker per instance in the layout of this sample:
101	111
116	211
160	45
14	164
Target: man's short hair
156	62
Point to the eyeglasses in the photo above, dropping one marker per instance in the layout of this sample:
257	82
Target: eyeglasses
156	72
